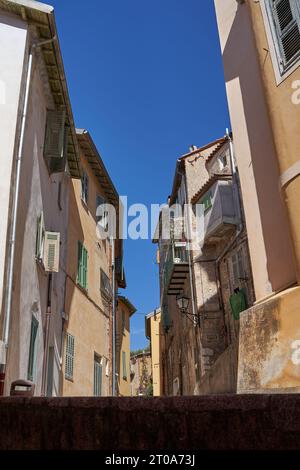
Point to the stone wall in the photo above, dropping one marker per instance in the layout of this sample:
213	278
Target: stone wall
190	423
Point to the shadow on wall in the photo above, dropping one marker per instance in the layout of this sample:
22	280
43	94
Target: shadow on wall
245	68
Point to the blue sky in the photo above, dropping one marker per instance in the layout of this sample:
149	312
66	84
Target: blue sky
146	79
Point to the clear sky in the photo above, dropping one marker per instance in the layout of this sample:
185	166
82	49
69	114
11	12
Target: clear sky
146	79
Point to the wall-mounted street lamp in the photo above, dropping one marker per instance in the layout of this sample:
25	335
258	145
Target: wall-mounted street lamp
183	304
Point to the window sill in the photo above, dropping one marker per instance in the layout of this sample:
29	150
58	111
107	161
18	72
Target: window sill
69	379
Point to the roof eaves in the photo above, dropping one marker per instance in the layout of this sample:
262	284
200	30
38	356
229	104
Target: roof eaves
206	186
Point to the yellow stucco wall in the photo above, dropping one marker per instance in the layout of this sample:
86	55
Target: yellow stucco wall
123	346
89	315
155	326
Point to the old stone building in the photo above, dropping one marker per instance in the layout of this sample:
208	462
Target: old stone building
207	267
141	373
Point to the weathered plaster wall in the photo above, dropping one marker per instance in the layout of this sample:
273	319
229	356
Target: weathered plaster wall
89	313
269	354
13	36
123	345
38	193
266	217
255	422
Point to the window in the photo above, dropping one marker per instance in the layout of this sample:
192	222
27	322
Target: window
56	141
85	188
101	216
40	237
32	349
207	201
123	323
124	365
105	286
284	17
238	271
82	271
97	376
69	365
223	161
59	196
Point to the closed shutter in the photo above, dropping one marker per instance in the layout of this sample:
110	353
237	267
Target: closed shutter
97	376
56	137
51	251
124	365
82	266
286	15
32	349
70	350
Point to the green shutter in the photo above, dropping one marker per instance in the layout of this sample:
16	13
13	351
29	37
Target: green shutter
97	376
82	264
32	349
124	365
206	201
70	350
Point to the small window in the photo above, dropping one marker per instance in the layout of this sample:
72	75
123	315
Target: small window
101	217
85	188
32	349
97	375
207	202
123	323
69	365
40	237
82	268
238	269
105	286
223	161
285	22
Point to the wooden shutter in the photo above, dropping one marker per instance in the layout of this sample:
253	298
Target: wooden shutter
287	23
51	251
82	266
97	376
56	141
70	350
32	349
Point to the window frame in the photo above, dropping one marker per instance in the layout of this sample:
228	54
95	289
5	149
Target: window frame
32	355
98	375
281	73
84	191
69	357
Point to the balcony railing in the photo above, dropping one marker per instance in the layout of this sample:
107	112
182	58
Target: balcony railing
176	267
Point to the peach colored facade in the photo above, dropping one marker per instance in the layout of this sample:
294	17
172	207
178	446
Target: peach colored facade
124	311
154	332
265	117
88	309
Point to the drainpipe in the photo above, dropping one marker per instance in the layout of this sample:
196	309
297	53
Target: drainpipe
47	332
114	369
12	241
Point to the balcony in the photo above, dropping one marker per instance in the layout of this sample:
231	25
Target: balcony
176	267
220	219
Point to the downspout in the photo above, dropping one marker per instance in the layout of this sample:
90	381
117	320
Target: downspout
12	241
237	203
47	332
114	371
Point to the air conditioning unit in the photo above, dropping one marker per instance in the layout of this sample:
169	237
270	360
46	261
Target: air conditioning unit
51	252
